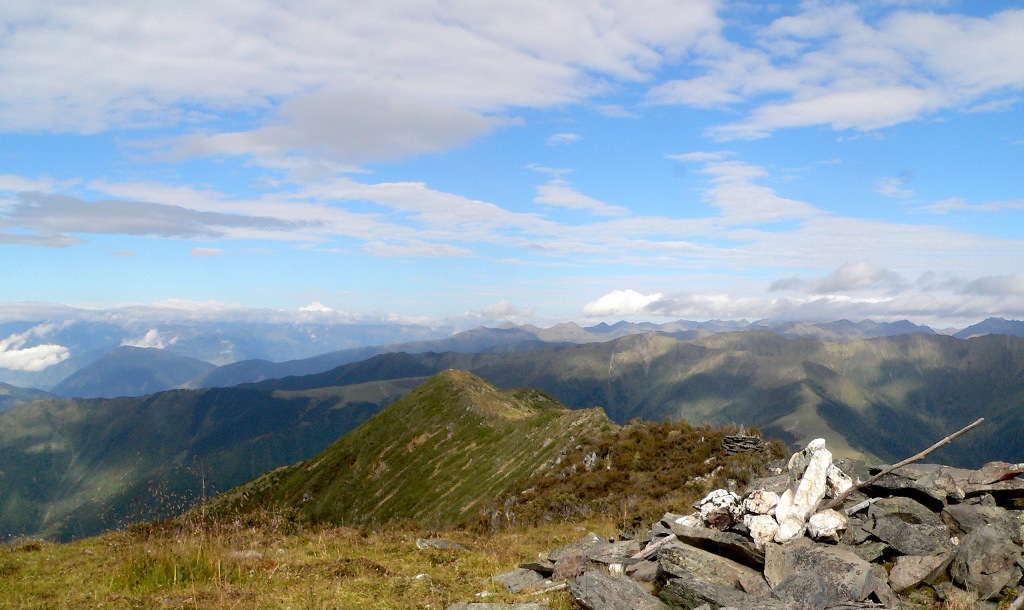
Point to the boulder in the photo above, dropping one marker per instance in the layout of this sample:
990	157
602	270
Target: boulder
994	472
827	526
576	548
720	509
847	575
598	591
726	544
612	552
522	579
679	560
910	571
805	591
696	591
761	502
985	562
907	526
962	519
762	529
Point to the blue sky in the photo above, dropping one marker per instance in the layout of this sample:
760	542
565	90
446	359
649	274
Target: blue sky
476	162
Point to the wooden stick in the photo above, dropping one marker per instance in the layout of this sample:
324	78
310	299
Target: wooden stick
839	499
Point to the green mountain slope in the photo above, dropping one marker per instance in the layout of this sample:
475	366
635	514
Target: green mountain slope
132	371
882	398
435	456
11	396
76	467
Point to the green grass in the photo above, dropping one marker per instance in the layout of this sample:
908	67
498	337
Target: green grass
236	566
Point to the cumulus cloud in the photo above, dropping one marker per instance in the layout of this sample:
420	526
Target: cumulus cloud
316	307
152	339
860	275
16	356
620	303
996	286
113	73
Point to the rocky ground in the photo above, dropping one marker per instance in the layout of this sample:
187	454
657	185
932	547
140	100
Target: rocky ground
917	537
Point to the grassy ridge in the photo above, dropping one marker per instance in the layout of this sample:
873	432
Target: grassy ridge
432	457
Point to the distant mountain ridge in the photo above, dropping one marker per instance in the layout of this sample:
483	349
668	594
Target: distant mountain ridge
993	326
528	337
132	371
73	467
11	396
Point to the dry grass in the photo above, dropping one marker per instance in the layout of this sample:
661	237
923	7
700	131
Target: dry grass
234	566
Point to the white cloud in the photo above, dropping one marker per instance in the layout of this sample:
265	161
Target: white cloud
859	275
152	339
894	188
350	128
503	311
16	356
316	307
206	252
560	193
848	68
116	64
557	139
620	303
960	204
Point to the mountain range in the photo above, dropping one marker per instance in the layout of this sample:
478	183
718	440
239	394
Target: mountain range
72	467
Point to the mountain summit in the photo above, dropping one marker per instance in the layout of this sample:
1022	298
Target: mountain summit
433	456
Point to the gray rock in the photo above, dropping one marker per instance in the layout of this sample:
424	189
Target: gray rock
907	526
612	552
576	548
643	571
693	591
726	544
544	568
846	574
776	484
679	560
598	591
985	562
962	519
910	571
521	579
993	472
805	591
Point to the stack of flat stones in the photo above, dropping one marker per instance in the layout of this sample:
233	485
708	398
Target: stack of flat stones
919	535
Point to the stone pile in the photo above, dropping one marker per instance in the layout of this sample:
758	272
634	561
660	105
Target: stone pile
920	534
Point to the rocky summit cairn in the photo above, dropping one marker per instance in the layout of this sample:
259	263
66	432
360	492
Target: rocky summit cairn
810	538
